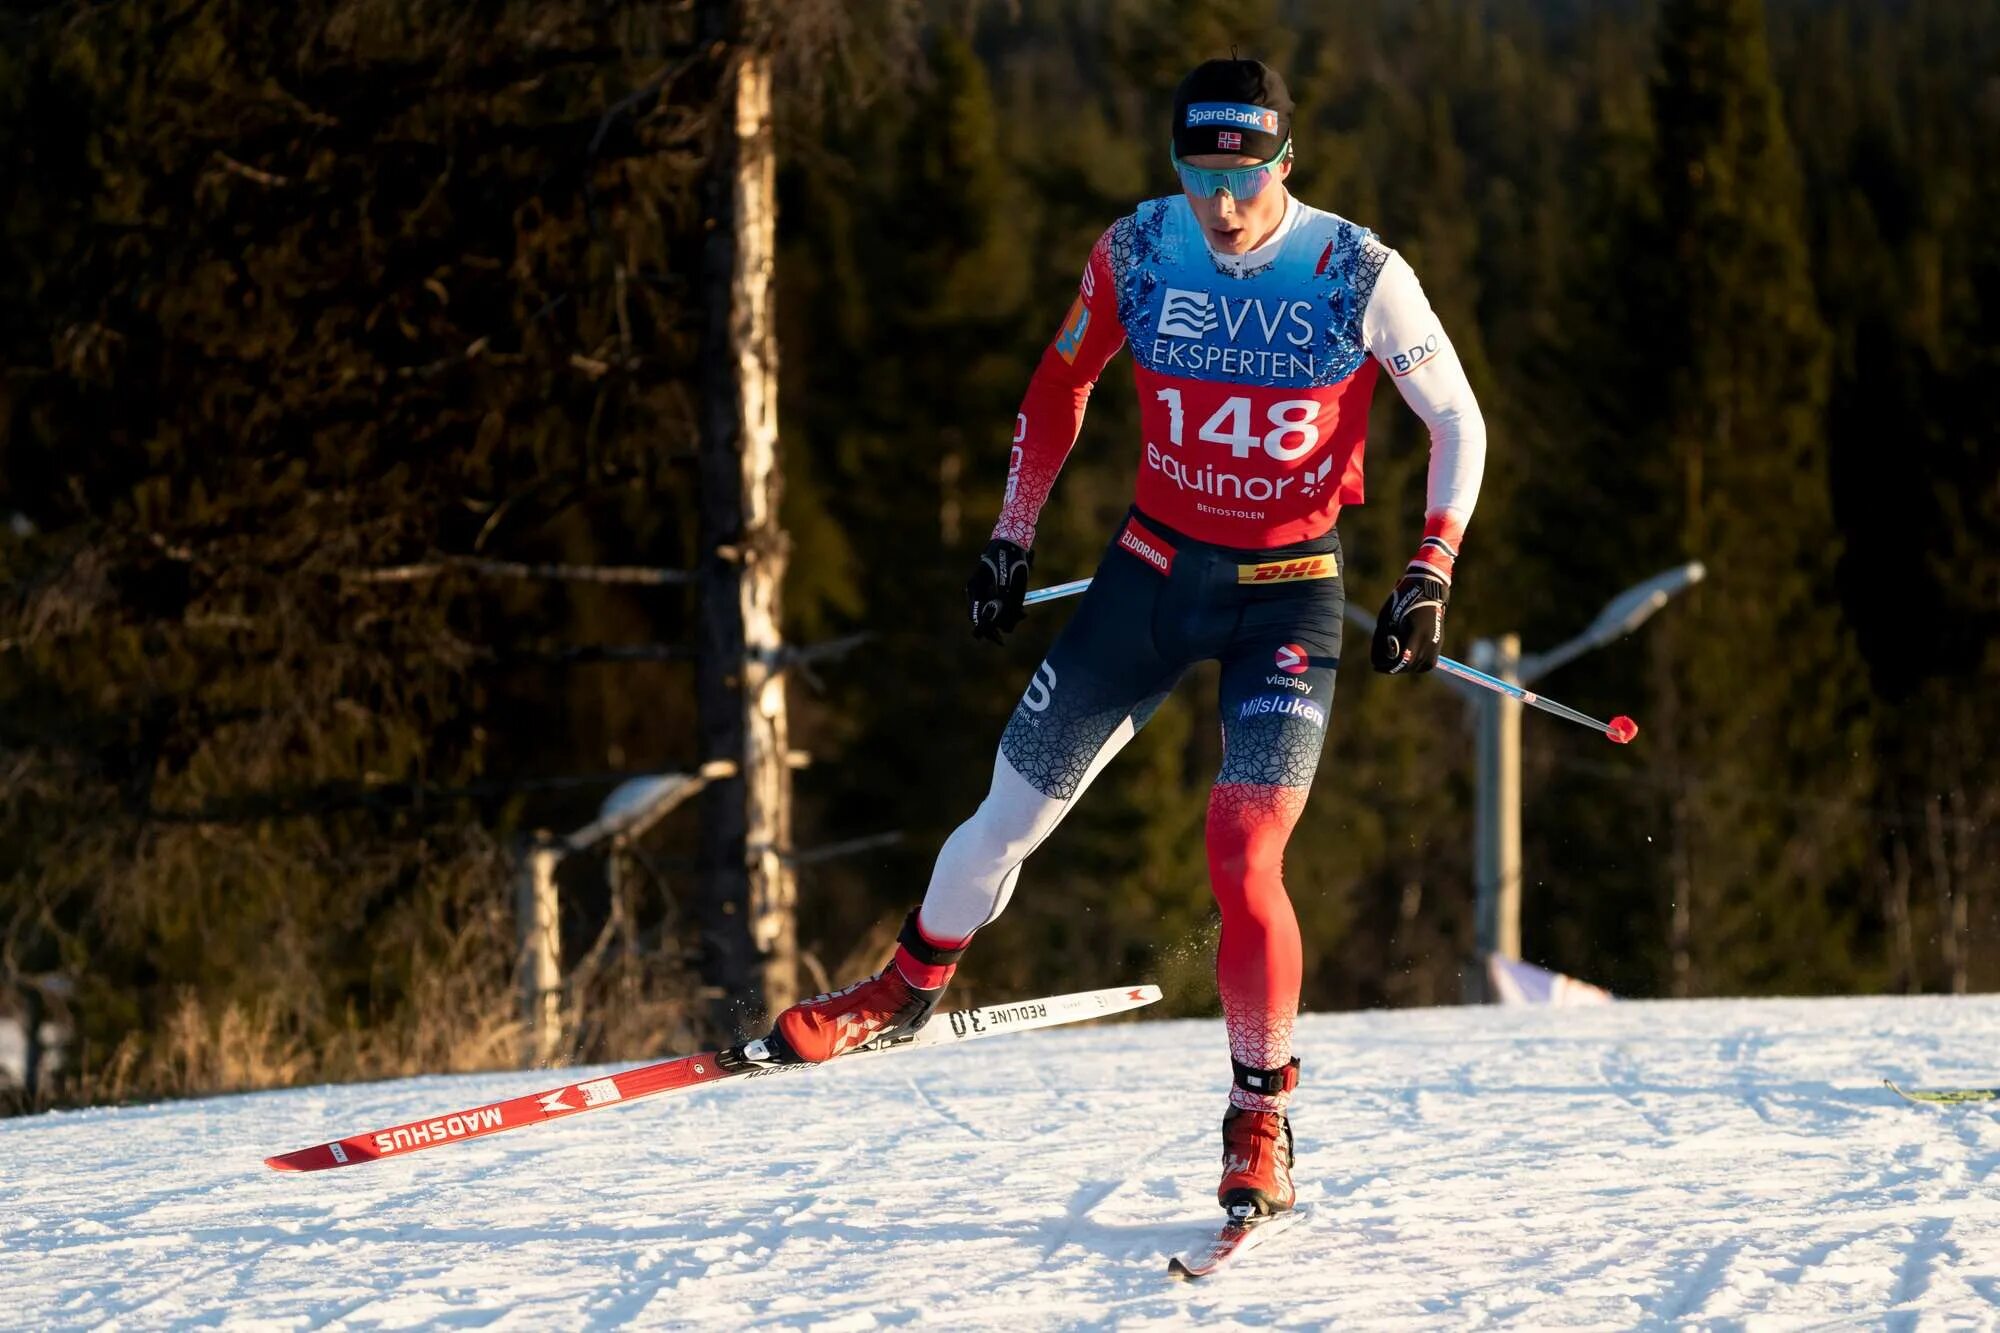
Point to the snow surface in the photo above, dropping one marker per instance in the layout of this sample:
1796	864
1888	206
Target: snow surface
1717	1164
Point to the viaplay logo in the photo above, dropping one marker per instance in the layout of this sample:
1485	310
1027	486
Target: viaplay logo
1233	115
1292	660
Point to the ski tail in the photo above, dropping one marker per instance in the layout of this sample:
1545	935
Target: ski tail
689	1071
1943	1096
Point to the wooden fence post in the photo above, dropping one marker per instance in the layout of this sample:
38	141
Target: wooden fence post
538	912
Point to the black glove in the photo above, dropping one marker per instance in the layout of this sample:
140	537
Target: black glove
1411	626
997	585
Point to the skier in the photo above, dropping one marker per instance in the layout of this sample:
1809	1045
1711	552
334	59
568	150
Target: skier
1258	327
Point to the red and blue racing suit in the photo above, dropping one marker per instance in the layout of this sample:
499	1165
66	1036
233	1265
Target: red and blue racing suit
1254	375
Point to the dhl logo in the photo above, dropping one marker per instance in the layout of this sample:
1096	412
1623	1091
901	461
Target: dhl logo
1285	571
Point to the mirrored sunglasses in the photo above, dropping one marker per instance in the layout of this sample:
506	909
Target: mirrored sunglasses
1242	183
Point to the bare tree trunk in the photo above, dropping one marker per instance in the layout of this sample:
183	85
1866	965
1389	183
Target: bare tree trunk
1980	849
1680	816
33	1055
1961	896
1950	911
747	905
1896	910
1405	986
951	469
1680	930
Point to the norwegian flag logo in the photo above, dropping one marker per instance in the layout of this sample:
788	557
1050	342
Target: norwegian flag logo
1228	139
1292	659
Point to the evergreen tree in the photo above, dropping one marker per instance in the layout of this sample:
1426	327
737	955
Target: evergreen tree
1758	712
291	296
290	331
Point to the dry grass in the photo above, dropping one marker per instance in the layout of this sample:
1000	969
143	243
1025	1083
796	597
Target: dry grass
459	1012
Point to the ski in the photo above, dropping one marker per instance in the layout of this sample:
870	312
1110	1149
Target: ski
752	1059
1944	1096
1232	1242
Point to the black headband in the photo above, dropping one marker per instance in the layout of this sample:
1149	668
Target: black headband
1232	106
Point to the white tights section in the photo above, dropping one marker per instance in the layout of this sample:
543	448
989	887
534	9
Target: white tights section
980	862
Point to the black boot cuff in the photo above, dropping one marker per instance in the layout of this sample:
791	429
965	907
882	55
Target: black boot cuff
922	949
1267	1082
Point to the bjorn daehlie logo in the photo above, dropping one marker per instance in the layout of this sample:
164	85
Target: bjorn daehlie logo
1292	660
1188	314
1040	688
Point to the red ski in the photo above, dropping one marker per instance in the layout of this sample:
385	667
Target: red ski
1233	1241
750	1059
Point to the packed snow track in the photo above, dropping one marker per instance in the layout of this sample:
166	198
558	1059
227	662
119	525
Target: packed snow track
1726	1164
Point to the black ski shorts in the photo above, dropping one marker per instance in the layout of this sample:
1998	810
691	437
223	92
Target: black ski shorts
1161	602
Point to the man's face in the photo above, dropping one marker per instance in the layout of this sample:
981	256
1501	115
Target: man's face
1235	226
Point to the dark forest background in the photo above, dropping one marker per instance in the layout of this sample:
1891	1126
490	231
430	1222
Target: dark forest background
302	304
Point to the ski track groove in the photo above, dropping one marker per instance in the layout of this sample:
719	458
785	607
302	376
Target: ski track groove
1687	1298
1981	1136
945	1113
1708	1164
1913	1279
1068	1096
1619	1075
1091	1195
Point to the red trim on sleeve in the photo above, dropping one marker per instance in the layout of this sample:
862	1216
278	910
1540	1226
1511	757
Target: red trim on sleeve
1051	414
1439	548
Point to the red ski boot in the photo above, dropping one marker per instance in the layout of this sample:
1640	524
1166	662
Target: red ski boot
899	998
1257	1146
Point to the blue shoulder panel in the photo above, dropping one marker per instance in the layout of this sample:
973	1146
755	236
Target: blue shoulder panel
1292	323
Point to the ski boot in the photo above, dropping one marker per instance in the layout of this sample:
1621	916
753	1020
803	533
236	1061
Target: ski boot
898	999
1257	1146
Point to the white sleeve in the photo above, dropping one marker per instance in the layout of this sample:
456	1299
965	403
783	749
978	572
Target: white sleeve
1404	334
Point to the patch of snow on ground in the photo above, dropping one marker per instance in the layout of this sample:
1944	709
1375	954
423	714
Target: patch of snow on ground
1726	1163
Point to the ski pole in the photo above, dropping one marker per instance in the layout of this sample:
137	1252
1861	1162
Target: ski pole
1059	590
1619	730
